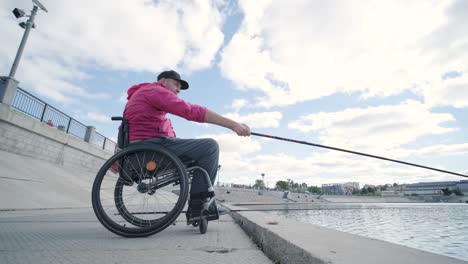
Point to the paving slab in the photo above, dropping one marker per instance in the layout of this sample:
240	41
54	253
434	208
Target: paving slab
76	236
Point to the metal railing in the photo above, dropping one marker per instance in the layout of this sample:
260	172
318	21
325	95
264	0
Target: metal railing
36	108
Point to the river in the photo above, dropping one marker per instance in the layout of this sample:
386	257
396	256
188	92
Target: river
438	228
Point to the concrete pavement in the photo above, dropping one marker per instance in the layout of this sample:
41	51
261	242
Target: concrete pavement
76	236
31	235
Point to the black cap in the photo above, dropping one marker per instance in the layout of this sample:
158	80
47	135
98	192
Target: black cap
174	75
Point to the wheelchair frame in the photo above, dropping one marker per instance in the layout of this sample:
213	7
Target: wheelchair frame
148	183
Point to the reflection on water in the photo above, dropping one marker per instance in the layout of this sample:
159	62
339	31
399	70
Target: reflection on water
437	228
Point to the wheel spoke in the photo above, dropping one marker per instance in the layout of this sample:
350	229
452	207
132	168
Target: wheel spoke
145	206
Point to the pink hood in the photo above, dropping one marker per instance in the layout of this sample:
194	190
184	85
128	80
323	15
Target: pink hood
146	111
134	88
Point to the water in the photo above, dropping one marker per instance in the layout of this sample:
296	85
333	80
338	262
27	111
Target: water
437	228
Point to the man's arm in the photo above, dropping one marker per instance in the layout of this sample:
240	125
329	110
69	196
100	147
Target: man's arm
214	118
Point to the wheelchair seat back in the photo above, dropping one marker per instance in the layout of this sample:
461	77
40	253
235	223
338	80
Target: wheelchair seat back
123	135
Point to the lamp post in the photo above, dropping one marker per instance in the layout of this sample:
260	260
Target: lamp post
8	83
219	168
263	182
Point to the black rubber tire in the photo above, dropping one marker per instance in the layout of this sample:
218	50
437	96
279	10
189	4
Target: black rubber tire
203	225
138	227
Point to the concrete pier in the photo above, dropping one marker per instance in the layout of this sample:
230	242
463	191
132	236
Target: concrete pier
288	241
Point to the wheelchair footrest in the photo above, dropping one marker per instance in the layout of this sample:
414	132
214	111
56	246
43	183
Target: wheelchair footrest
199	208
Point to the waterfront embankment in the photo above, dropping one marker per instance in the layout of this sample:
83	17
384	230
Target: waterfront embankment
238	195
288	241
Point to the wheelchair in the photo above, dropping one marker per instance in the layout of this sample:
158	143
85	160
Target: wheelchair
143	188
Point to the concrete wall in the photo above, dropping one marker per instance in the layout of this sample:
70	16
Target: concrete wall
367	199
26	136
394	199
235	195
30	183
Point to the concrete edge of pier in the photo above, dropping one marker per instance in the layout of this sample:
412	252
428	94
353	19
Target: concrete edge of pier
287	241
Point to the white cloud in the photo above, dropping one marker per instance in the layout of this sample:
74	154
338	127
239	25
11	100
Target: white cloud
312	49
320	168
382	130
201	22
56	82
376	128
440	150
236	169
123	98
451	92
446	43
97	117
246	64
243	162
232	143
238	104
258	120
121	35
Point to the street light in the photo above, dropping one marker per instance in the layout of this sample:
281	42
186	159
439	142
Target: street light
219	168
24	25
27	27
7	83
263	182
18	12
41	6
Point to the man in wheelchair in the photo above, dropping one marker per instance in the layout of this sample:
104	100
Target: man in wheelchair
145	112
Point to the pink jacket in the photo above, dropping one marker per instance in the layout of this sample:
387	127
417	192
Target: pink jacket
146	111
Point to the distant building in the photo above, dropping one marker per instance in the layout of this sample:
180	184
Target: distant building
427	188
340	188
463	186
333	188
350	187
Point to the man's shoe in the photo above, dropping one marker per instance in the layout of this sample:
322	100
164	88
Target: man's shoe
194	210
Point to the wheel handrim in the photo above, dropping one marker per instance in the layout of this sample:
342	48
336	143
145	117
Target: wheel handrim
127	211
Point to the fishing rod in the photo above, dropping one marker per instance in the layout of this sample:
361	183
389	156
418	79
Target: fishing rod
357	153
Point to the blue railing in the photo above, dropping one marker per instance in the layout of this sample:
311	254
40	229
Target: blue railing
36	108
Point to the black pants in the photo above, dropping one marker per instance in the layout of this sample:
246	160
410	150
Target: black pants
205	151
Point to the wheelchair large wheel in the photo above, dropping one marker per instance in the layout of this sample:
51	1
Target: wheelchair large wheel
140	191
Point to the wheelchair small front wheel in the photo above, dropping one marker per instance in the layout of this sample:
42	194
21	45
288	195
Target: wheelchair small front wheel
203	225
140	191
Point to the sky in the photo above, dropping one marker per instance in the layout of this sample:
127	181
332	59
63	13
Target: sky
388	78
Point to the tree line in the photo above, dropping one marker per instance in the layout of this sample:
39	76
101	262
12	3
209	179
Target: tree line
290	185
